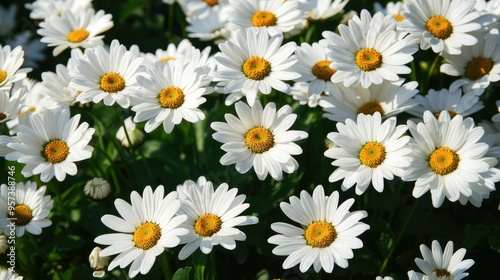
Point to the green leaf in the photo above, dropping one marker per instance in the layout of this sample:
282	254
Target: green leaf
185	273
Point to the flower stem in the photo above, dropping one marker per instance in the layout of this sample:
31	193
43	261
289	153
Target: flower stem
213	265
165	266
425	88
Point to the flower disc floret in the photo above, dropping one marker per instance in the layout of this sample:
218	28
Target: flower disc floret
3	76
368	59
478	67
146	235
320	234
55	151
112	82
322	70
171	97
264	18
207	225
22	215
78	35
256	68
439	27
369	108
259	139
443	161
372	154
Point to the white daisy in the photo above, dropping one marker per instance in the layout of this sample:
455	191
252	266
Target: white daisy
452	101
210	26
444	26
73	30
260	138
97	188
212	216
146	227
182	51
388	98
7	274
448	158
478	65
135	135
10	105
253	62
447	264
324	9
394	9
201	7
314	67
327	233
300	92
368	150
41	9
170	93
368	51
51	143
57	86
10	62
98	263
107	76
30	211
276	17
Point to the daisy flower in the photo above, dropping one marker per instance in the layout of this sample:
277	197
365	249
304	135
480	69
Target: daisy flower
253	62
448	158
212	216
447	264
444	26
388	98
30	211
97	188
260	138
394	9
98	263
201	7
327	233
171	92
73	30
368	150
7	274
452	101
314	67
135	135
10	105
368	50
51	143
211	26
57	86
146	227
181	51
478	65
10	62
107	76
324	9
275	17
300	92
41	9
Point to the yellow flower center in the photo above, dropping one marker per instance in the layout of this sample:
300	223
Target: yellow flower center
259	139
372	154
211	3
370	107
478	67
320	234
112	82
171	98
168	58
55	151
256	68
3	76
322	70
264	18
443	161
3	116
399	17
439	27
78	35
147	235
22	214
452	114
441	272
207	225
368	59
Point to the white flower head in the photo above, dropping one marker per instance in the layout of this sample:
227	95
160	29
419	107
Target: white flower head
300	92
7	274
327	234
97	188
10	62
259	138
135	135
41	9
212	216
324	9
98	263
146	227
10	105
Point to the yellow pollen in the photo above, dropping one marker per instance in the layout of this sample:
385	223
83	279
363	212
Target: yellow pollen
320	234
452	114
259	139
370	107
256	68
171	97
168	58
441	272
22	214
112	82
55	151
207	225
146	235
439	27
368	59
3	76
78	35
372	154
211	3
443	161
3	116
478	67
322	70
399	17
264	18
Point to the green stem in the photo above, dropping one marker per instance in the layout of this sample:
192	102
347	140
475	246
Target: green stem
398	238
396	199
213	265
425	88
165	266
44	255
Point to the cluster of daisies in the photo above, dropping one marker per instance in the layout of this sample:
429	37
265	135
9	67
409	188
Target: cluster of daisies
356	75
